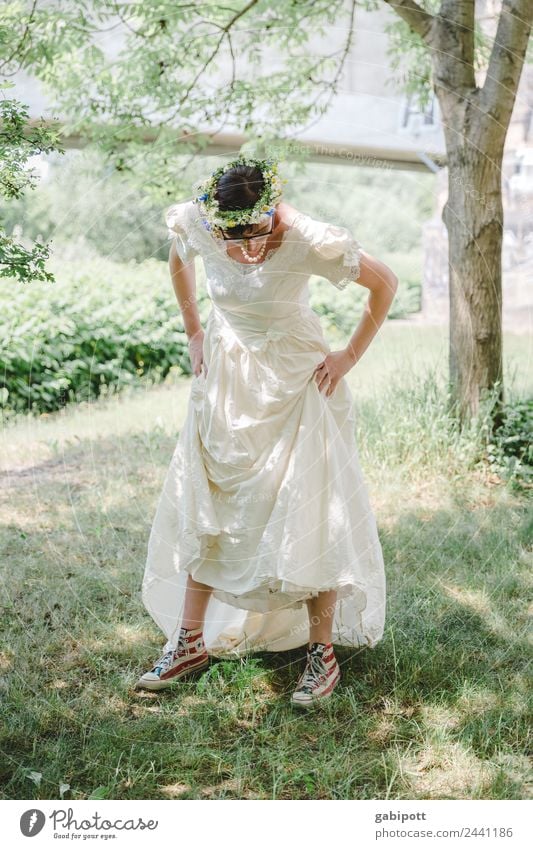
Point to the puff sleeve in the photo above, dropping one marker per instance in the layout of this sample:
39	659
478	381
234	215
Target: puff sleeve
177	221
334	253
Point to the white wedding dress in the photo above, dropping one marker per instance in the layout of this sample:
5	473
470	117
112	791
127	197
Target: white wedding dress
264	499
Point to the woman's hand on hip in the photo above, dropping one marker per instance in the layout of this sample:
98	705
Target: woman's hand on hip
331	369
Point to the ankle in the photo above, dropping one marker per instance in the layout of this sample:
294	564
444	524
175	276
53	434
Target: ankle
194	629
191	637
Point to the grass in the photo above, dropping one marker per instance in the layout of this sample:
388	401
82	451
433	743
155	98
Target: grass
439	709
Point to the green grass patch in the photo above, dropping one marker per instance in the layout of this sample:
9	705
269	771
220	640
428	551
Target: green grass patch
441	708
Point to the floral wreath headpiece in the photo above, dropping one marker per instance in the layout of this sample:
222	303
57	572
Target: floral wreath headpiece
271	194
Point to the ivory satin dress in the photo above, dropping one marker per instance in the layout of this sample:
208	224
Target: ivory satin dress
264	498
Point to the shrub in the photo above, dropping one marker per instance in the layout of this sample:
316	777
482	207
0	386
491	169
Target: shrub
510	450
96	329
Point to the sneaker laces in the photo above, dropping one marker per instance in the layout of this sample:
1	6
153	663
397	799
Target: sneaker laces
182	642
165	660
314	672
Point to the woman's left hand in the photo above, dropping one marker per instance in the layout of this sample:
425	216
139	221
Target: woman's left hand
329	371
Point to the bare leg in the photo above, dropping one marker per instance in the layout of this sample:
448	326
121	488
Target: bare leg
196	600
321	609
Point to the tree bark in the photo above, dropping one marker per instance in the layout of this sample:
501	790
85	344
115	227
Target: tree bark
473	215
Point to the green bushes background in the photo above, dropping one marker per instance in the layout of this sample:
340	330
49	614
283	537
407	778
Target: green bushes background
101	326
104	325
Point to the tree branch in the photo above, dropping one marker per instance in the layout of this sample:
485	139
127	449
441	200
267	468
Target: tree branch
333	85
506	59
225	33
417	18
460	16
453	58
5	62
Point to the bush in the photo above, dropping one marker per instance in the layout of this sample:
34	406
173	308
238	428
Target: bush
510	450
342	309
96	329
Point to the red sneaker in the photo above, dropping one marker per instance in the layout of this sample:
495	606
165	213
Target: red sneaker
320	677
190	655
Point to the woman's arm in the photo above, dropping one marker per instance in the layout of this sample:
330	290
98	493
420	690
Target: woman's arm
183	278
383	284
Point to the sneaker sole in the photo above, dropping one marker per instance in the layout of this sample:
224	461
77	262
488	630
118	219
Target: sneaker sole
149	684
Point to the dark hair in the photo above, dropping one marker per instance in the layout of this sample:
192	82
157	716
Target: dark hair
239	188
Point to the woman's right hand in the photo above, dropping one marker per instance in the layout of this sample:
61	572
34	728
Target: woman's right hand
196	353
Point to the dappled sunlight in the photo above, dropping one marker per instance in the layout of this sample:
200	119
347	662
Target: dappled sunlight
444	769
475	700
438	716
6	662
59	684
231	786
383	731
21	450
479	602
17	518
363	550
398	495
187	704
128	635
141	711
175	791
517	768
33	440
389	718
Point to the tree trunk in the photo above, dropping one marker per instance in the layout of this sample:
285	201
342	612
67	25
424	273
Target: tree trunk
475	122
473	215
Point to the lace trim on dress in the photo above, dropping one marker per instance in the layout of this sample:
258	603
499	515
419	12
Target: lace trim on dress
336	252
352	262
349	248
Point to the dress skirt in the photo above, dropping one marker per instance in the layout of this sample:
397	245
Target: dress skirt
264	499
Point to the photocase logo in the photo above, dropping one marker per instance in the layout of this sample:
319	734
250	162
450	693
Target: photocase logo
31	822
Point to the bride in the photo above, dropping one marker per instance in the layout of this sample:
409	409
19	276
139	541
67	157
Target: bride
264	537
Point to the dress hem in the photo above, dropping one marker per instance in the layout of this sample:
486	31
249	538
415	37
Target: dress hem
275	595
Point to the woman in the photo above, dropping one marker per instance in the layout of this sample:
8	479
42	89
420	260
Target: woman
264	538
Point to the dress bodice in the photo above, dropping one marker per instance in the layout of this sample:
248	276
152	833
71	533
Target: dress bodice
272	295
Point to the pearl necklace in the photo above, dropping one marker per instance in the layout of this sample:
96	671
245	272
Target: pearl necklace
253	258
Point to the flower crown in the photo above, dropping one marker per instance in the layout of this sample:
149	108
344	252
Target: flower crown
271	194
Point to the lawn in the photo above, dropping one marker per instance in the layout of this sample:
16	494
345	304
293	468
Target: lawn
441	708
